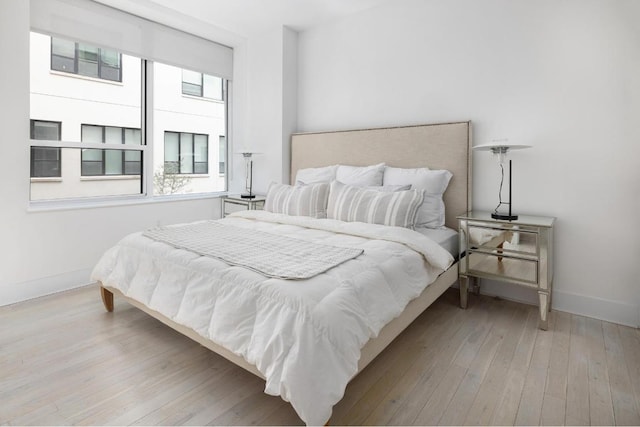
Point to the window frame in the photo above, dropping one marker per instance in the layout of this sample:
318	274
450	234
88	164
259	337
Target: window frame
202	87
146	193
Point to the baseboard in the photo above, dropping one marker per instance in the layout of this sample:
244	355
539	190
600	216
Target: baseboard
13	293
599	308
608	310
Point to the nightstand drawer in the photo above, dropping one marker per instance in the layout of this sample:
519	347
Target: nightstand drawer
503	266
518	241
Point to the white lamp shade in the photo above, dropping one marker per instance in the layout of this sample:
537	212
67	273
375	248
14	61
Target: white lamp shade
500	147
500	144
247	151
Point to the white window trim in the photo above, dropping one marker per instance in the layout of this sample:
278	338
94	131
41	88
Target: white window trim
83	77
203	98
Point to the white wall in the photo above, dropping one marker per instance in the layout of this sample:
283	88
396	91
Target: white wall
562	76
44	252
272	108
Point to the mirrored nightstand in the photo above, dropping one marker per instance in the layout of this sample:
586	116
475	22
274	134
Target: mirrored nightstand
234	203
518	252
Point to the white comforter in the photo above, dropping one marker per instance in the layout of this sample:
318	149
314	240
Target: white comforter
304	336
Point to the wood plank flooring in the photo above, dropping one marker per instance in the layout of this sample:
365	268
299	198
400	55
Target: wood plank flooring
64	360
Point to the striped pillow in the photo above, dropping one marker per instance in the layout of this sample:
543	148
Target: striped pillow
398	208
302	200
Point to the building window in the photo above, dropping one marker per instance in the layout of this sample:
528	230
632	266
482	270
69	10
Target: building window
45	161
191	83
85	60
202	85
110	162
186	153
222	154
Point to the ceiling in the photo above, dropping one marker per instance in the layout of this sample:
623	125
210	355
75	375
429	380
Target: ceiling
241	18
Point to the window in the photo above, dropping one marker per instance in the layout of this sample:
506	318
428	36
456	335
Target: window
186	153
45	161
112	137
86	60
191	83
222	154
202	85
110	162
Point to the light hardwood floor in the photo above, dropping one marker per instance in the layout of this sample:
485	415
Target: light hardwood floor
64	360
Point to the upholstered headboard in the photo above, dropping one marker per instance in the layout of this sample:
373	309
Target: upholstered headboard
436	146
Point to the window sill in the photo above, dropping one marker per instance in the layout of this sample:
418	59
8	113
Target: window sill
109	177
46	179
87	78
193	175
116	201
203	98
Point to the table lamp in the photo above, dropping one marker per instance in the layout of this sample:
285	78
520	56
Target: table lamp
248	179
499	148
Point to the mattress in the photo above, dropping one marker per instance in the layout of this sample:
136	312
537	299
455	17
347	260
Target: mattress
446	237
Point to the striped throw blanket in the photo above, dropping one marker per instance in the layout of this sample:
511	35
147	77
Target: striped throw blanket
266	253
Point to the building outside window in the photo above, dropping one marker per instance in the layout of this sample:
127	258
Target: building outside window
111	162
85	60
45	161
186	153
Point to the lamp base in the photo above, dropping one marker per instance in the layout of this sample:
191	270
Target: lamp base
504	217
248	196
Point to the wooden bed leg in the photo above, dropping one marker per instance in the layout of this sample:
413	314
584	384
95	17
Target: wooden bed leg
107	299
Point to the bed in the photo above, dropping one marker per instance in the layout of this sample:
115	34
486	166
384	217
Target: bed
439	146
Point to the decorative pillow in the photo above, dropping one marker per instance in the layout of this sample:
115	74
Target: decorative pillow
349	203
433	182
304	200
314	175
360	176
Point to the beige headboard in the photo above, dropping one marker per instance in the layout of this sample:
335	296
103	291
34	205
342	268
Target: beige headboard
436	146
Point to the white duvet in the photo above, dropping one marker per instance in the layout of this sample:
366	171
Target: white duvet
304	336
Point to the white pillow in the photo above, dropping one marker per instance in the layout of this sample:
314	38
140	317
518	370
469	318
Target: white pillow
388	188
350	203
313	175
361	176
301	200
433	182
